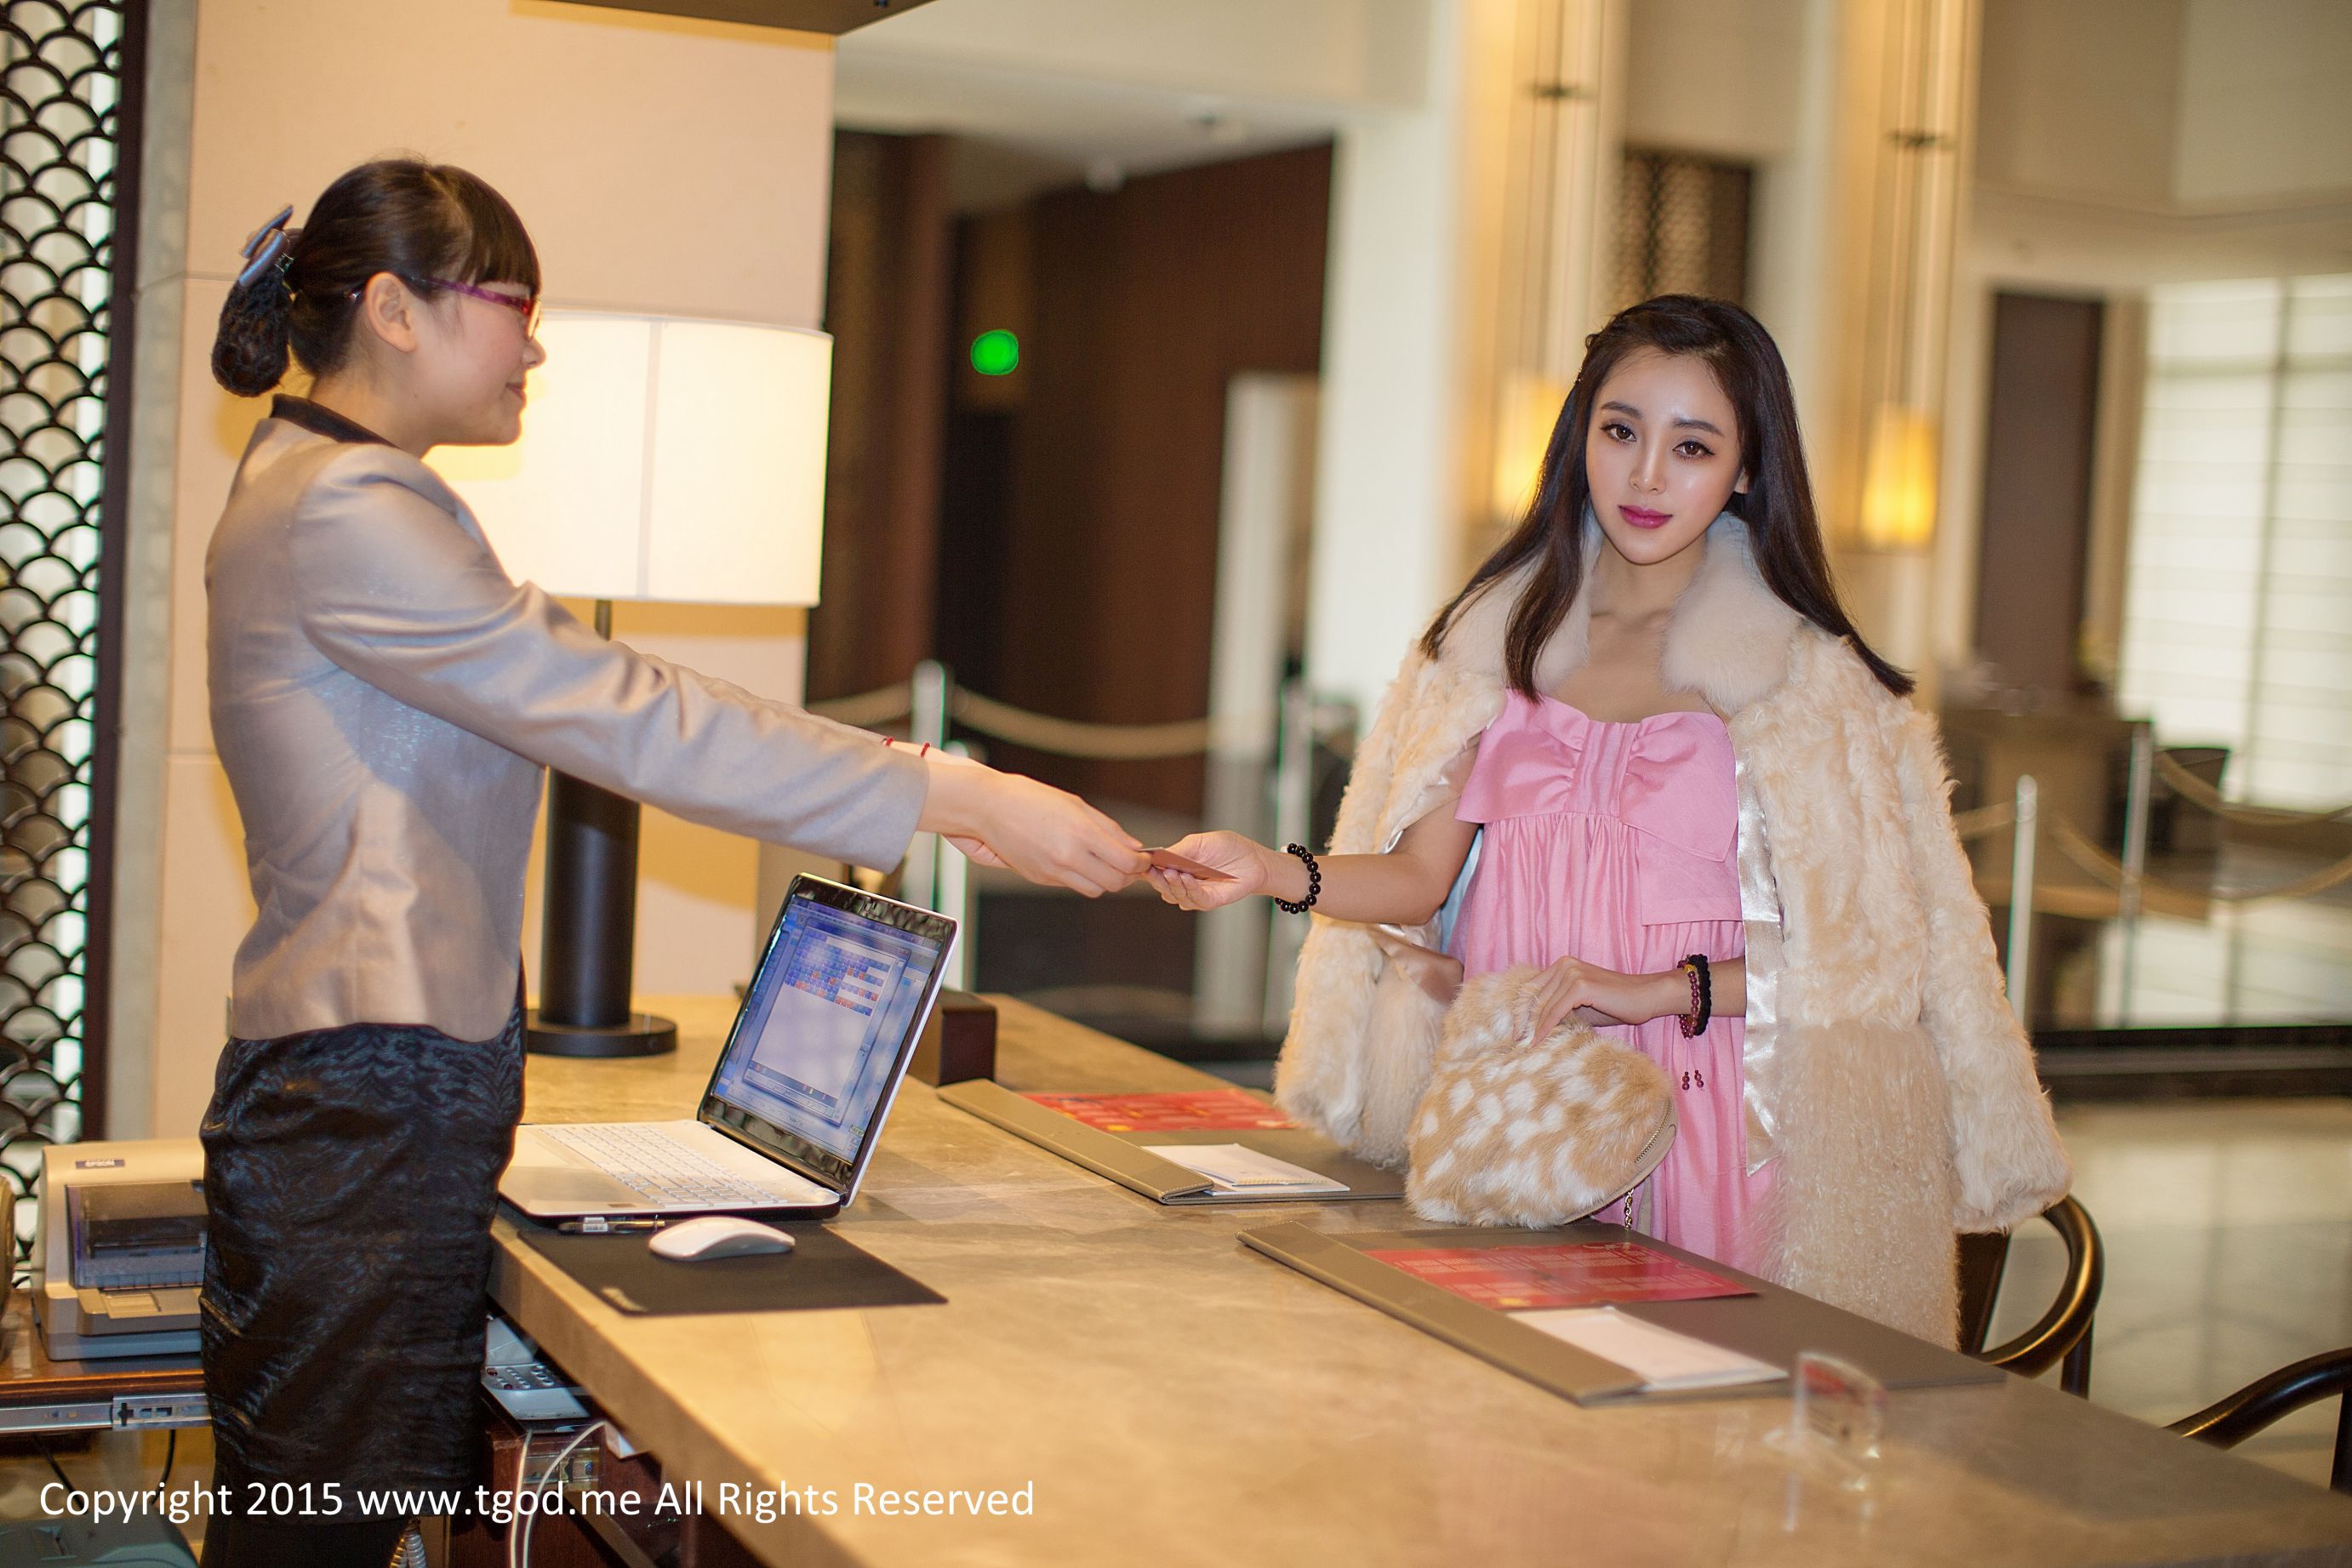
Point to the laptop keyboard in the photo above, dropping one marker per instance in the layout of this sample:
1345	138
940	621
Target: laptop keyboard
660	1169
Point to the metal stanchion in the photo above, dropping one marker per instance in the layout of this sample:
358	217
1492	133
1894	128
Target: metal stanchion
2136	815
956	899
2136	829
2021	896
930	723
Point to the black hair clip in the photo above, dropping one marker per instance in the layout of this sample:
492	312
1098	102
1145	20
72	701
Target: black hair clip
264	247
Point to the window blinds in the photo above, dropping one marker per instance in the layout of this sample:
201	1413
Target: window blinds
2238	604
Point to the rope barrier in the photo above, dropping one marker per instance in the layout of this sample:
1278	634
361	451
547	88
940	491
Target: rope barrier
2078	846
2202	794
1070	738
1984	821
1040	732
868	710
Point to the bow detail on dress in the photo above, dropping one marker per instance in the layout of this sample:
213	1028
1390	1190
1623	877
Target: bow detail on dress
1669	776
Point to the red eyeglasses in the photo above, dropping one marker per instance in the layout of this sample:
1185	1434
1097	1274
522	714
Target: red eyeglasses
527	307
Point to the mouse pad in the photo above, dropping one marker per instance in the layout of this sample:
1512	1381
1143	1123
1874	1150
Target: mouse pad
821	1270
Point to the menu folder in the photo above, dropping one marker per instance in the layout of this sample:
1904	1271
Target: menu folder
1121	1158
1771	1324
1491	1336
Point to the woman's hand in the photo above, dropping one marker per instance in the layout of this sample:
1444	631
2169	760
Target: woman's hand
1048	836
1237	856
1605	995
1405	886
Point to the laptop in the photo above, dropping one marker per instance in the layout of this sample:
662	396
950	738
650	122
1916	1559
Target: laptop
798	1099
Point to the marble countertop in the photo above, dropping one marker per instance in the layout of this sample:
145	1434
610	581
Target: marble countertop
1171	1397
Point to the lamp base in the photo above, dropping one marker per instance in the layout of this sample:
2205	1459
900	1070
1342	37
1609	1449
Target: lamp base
644	1034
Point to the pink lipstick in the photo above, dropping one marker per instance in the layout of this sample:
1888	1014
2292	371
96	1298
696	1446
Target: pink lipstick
1643	518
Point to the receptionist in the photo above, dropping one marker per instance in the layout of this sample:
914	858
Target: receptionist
384	699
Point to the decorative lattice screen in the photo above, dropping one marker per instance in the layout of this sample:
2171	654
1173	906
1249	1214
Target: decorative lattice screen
1682	228
65	126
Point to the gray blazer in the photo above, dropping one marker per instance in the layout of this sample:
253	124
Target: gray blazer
384	698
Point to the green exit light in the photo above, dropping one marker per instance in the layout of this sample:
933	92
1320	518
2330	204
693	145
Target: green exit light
995	353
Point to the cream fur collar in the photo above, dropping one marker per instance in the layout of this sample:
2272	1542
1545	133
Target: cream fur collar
1729	640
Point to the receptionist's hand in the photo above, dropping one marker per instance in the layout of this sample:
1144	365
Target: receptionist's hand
1048	836
1239	858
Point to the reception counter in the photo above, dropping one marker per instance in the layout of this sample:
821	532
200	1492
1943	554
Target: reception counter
1163	1396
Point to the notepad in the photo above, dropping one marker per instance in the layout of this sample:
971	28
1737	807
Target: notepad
1240	1170
1665	1361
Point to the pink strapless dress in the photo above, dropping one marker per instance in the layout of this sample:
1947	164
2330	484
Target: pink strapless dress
1618	844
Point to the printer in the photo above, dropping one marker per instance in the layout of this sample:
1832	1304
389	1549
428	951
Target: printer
119	1253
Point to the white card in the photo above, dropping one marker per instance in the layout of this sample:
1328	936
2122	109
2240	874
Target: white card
1662	1359
1236	1169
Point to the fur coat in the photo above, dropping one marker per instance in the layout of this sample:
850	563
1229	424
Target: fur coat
1885	1070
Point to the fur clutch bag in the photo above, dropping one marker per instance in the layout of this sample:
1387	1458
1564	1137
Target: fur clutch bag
1537	1133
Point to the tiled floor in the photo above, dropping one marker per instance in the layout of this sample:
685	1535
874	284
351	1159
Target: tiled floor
2229	1232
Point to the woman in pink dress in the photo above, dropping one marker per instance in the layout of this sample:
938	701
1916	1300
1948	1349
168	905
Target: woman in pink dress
1603	800
1613	842
1707	821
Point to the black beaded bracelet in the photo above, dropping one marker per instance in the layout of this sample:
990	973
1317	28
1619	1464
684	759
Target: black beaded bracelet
1314	883
1702	995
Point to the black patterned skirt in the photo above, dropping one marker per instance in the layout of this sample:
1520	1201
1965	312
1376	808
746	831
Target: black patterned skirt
350	1176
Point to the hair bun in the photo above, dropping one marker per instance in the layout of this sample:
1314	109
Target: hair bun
249	349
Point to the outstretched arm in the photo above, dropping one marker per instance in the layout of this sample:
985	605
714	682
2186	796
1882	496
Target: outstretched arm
1403	887
394	589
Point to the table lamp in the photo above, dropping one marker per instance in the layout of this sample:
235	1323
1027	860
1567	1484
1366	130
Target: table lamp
661	458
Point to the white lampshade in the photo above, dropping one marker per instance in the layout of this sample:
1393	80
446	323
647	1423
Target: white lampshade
661	458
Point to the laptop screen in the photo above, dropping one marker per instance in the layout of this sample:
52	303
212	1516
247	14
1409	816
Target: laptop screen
827	1025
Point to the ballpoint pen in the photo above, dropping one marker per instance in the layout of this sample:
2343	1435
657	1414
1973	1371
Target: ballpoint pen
596	1225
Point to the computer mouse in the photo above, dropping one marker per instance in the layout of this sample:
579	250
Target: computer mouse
717	1235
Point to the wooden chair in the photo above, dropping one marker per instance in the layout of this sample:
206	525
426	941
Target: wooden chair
2231	1420
2061	1337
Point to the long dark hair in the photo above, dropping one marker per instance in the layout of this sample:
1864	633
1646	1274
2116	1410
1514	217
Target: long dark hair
1778	509
419	221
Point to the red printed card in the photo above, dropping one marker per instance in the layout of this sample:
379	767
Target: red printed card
1186	1110
1522	1279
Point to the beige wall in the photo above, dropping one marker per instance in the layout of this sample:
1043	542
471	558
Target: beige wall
2264	114
1718	76
2129	142
661	164
2173	107
1245	53
2082	96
